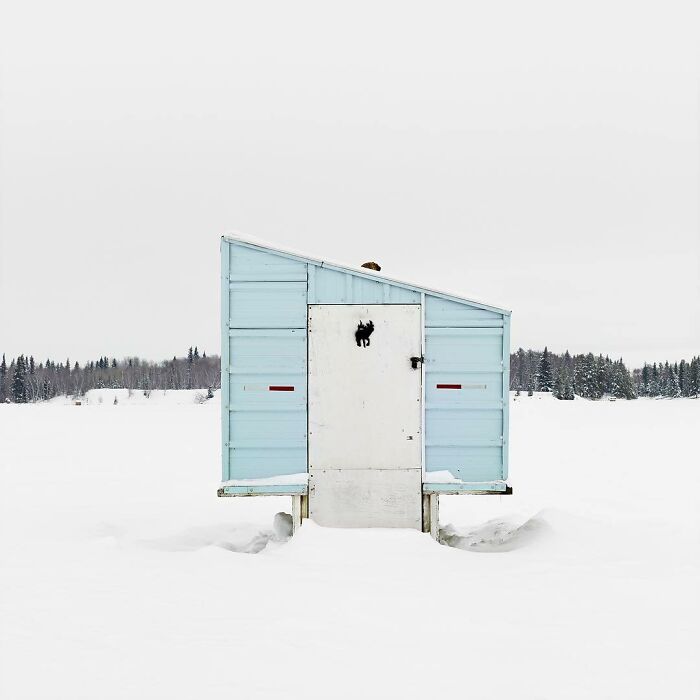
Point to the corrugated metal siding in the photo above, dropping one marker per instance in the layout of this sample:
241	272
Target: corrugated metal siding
267	430
250	265
264	317
334	287
450	314
464	426
268	305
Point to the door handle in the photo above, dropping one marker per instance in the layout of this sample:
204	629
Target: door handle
416	360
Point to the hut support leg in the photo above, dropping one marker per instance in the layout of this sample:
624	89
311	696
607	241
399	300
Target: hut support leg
431	517
300	510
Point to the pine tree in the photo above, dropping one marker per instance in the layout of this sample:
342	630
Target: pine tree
673	390
196	353
3	374
585	384
19	388
683	378
603	371
521	378
569	387
646	379
559	387
564	383
544	372
655	381
694	381
46	389
190	360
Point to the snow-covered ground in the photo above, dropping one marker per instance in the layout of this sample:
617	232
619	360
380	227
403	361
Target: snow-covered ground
123	576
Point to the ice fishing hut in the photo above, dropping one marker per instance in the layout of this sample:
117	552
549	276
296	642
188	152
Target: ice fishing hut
362	397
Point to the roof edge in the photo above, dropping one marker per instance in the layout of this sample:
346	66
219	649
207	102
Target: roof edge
253	242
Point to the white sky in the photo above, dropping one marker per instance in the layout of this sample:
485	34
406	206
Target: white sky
540	156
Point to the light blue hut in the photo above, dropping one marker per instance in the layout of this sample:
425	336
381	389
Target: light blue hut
362	397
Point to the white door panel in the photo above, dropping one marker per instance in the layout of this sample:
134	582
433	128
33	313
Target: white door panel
365	416
364	402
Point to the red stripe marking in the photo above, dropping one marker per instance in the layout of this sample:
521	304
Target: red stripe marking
449	386
281	388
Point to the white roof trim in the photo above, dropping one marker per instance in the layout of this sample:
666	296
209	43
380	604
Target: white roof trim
360	271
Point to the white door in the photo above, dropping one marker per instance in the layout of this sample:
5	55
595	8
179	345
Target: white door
365	415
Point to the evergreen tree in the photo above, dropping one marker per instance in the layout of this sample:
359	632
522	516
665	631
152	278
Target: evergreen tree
521	377
655	381
602	377
190	360
558	391
694	377
46	389
621	385
683	378
19	387
564	385
673	390
646	379
544	372
3	374
196	353
585	382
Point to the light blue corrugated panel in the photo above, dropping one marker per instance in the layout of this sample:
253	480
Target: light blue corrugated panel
464	424
251	265
327	286
267	428
268	305
450	314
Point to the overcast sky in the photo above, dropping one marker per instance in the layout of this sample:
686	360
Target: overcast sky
538	156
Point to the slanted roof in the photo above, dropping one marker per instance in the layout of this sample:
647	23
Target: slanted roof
254	242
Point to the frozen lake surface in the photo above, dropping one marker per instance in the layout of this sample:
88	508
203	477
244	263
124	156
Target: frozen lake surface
124	576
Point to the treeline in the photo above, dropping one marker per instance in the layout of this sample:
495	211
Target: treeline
594	377
670	380
24	380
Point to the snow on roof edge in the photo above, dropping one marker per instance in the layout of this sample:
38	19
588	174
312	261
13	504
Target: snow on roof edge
261	243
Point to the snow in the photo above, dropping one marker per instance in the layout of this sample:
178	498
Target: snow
284	480
124	576
443	476
134	397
